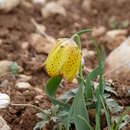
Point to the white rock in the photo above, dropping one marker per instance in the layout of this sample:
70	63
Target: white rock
4	100
42	2
25	45
86	5
88	53
8	5
64	2
24	78
4	84
53	8
1	42
26	4
115	37
117	64
23	85
40	44
98	31
4	66
3	124
75	81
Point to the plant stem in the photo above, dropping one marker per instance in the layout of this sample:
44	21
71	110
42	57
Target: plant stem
79	46
83	31
77	35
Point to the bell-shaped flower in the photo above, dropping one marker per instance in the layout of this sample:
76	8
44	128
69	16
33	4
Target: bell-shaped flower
64	59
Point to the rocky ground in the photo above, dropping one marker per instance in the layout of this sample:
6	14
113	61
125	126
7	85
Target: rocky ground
27	33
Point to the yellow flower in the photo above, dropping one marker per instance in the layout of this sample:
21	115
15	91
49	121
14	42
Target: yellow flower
64	59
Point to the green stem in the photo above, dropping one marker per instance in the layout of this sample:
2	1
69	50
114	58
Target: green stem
83	31
77	37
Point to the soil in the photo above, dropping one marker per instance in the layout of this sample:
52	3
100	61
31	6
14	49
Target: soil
16	27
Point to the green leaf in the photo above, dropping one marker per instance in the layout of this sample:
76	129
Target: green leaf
110	89
106	113
68	95
104	54
100	67
88	89
94	73
113	106
14	68
78	108
40	125
86	122
42	116
98	109
51	88
88	86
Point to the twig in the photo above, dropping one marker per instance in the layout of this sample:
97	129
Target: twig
30	105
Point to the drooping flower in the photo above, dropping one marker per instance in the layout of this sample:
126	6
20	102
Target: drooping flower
64	59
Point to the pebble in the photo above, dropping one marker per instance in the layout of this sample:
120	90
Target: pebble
117	64
8	5
23	85
42	2
25	45
40	44
4	84
4	100
114	38
24	78
87	5
99	31
53	8
3	124
88	53
4	66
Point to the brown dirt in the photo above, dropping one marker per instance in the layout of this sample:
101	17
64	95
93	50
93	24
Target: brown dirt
15	28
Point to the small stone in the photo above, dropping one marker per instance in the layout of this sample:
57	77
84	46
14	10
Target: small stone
3	124
1	41
39	97
75	81
25	45
86	5
24	78
121	2
4	66
114	38
98	31
53	8
8	5
117	64
40	44
26	4
88	53
23	85
42	2
4	100
4	84
64	3
38	90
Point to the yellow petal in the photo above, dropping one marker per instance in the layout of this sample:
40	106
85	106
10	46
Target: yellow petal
64	59
72	63
55	59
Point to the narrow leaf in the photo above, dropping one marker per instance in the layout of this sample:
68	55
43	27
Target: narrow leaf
51	88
